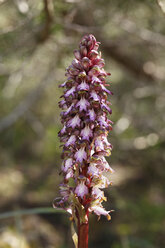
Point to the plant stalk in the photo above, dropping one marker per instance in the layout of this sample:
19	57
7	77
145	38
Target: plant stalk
83	230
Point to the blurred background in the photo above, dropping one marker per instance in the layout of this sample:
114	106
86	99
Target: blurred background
37	39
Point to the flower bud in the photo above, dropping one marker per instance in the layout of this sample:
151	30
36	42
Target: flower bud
77	54
86	63
93	54
83	51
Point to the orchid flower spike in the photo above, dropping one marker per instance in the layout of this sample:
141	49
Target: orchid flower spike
84	134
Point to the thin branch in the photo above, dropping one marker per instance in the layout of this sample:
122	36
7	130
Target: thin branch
26	103
145	34
48	11
161	4
126	61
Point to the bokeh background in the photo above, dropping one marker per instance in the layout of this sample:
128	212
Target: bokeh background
37	39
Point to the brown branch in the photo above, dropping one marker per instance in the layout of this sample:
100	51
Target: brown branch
127	61
46	30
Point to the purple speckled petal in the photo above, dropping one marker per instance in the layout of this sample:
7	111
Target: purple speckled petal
81	190
105	165
83	86
69	109
99	210
63	84
71	140
95	96
82	104
86	133
93	170
70	92
104	106
81	155
95	79
69	174
92	114
75	121
63	130
103	121
97	193
104	182
62	104
99	146
105	89
67	164
106	143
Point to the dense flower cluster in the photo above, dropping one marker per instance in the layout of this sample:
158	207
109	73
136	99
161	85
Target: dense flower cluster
84	133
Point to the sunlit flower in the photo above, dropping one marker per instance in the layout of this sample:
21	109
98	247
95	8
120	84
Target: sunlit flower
75	121
82	104
81	190
84	133
81	155
71	140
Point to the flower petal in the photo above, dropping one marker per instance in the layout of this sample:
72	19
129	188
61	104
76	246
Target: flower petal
75	121
99	146
95	96
82	104
97	193
83	86
103	121
71	140
93	170
86	133
81	190
63	130
92	114
67	164
69	109
69	174
99	210
106	166
70	92
81	155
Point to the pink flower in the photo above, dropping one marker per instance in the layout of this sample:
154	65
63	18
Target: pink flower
92	114
95	96
93	170
81	190
84	133
99	210
74	122
67	164
71	140
69	109
81	155
70	92
82	104
83	86
97	193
